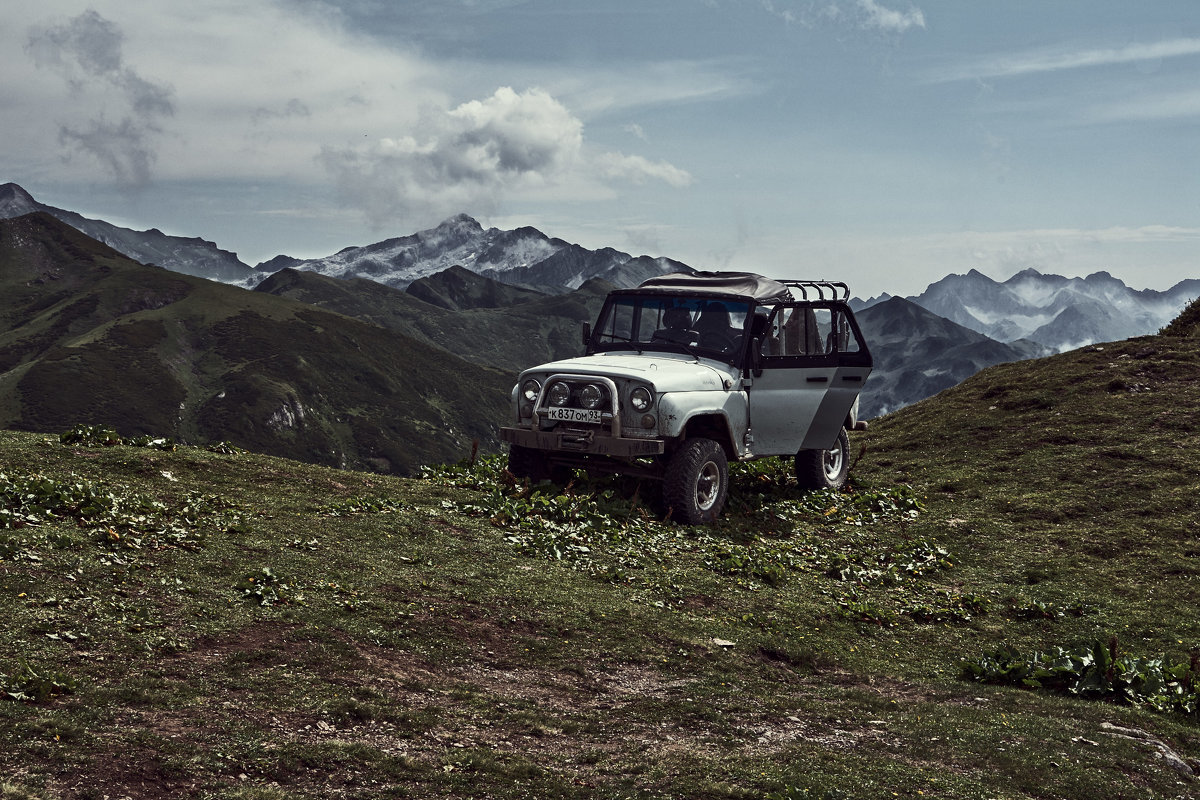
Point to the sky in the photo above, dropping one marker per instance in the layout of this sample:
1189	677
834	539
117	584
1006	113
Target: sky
885	143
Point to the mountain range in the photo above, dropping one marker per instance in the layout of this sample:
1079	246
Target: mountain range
524	257
507	299
1050	310
88	335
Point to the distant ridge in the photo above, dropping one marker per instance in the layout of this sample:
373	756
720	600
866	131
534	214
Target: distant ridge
191	256
524	257
1060	313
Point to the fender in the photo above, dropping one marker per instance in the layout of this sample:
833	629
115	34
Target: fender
677	409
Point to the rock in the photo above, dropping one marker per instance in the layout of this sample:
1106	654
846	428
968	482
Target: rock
1162	750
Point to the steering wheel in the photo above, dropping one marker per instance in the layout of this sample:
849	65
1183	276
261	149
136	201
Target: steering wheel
719	340
674	335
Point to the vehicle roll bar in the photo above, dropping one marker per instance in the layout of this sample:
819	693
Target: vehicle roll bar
836	289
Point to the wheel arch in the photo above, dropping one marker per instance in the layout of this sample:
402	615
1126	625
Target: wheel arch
711	426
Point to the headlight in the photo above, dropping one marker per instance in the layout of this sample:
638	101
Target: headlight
559	394
530	389
591	396
641	399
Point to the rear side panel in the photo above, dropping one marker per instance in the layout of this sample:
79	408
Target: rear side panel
813	366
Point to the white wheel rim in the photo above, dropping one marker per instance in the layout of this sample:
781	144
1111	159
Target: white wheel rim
708	485
832	462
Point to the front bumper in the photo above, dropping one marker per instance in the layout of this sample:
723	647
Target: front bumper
592	442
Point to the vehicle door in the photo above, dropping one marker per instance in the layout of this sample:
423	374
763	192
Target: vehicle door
810	367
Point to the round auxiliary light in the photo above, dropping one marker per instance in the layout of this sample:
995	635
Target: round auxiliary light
558	394
591	396
530	389
641	399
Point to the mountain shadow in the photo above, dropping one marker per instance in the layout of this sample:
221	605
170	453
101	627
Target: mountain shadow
457	289
508	338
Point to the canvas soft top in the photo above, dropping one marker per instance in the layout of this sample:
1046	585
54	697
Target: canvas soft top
746	284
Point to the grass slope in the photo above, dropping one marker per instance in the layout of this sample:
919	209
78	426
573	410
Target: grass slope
90	336
199	624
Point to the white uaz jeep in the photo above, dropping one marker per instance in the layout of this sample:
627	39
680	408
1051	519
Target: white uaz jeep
687	372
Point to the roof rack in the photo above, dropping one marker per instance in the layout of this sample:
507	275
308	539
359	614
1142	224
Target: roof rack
834	288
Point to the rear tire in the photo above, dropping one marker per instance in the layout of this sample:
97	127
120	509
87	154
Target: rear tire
824	469
696	482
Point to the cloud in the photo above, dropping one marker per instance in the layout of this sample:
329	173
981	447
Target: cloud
865	14
474	155
1148	107
639	170
86	52
873	15
293	108
1044	61
124	147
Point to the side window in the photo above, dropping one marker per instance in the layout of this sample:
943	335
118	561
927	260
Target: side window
794	331
834	330
808	331
845	339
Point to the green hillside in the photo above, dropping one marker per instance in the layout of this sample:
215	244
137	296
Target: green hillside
1187	323
193	623
92	337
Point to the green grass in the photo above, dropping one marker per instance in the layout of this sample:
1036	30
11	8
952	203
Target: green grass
463	636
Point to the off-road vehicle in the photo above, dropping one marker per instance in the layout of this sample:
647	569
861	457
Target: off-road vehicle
688	372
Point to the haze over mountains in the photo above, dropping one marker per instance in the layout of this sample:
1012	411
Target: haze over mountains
1057	312
507	299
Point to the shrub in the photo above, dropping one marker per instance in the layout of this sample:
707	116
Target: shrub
1096	670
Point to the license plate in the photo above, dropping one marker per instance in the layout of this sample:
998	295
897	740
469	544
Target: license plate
558	414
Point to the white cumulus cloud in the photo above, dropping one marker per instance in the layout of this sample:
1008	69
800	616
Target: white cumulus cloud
478	153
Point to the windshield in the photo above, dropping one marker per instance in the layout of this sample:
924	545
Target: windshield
687	323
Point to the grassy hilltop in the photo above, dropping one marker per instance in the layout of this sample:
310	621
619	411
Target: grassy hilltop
213	623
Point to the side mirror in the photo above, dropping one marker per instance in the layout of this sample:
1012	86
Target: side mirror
756	357
587	333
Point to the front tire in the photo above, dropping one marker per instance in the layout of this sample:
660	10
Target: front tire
824	469
696	482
